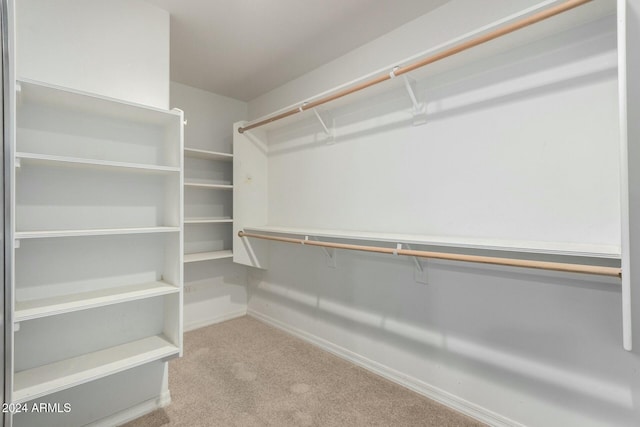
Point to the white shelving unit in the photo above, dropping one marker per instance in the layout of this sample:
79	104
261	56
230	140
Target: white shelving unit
208	214
97	207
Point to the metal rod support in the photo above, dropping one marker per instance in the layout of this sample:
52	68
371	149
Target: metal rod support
414	100
324	126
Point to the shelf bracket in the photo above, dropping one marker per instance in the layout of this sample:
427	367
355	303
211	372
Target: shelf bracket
16	326
420	270
327	131
330	254
16	244
419	110
18	163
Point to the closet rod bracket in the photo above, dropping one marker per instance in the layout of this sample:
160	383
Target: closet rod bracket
419	109
328	131
420	270
330	255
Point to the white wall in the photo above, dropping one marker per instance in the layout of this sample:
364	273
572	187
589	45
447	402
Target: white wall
214	290
117	48
541	349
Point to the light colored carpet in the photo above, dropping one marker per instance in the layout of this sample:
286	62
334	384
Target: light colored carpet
245	373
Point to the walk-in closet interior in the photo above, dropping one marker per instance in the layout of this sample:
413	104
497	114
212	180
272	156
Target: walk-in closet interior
331	213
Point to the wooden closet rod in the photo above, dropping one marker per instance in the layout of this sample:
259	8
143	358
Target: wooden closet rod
542	265
540	16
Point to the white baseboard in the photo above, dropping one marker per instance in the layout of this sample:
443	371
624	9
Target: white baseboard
134	412
454	402
213	320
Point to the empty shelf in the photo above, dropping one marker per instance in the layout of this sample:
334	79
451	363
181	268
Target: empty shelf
207	220
208	185
33	158
33	309
31	92
42	380
209	155
92	232
205	256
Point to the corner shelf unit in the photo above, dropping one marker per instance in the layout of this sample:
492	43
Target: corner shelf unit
208	211
97	193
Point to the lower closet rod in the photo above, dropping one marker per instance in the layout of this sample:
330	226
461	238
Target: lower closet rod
543	265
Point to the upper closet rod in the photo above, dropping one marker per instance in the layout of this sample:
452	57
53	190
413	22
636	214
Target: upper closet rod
540	16
526	263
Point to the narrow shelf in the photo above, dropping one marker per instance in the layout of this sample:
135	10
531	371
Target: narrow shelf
34	158
520	246
207	220
92	232
209	155
42	380
27	310
207	185
206	256
38	93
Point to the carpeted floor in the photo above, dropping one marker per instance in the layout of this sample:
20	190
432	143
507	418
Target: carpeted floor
245	373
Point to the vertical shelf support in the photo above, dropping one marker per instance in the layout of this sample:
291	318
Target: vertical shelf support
627	61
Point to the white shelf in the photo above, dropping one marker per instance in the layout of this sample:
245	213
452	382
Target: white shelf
206	256
534	247
573	18
36	382
27	310
207	220
208	155
92	232
62	98
208	185
33	158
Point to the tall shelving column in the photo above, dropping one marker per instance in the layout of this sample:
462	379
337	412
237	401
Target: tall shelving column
98	239
208	211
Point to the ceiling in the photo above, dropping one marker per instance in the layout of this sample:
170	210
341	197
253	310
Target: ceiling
245	48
